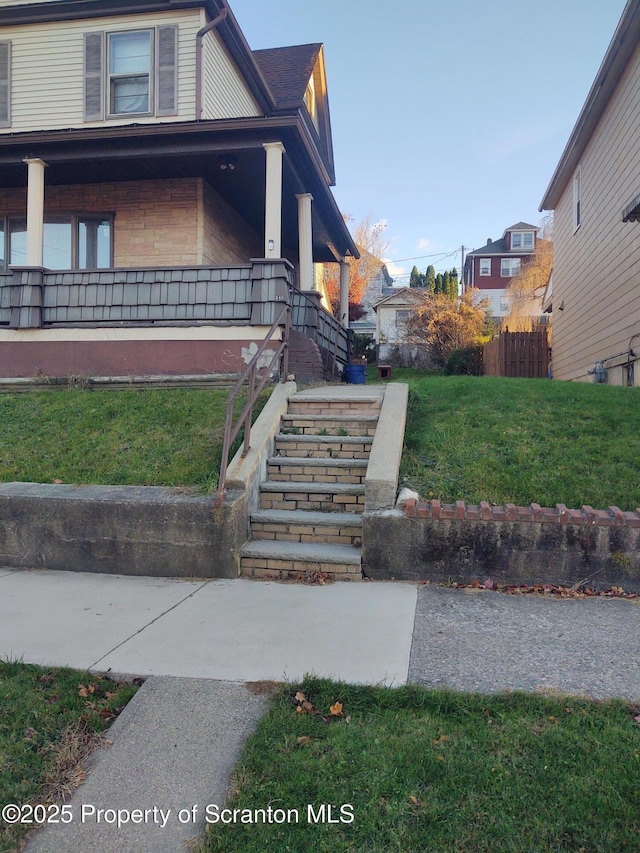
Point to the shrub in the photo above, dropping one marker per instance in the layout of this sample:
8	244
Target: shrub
465	362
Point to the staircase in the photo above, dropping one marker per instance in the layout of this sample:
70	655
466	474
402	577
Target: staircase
309	525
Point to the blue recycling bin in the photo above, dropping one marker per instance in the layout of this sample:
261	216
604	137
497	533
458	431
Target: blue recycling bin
356	374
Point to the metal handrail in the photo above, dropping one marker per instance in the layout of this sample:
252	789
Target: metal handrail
231	430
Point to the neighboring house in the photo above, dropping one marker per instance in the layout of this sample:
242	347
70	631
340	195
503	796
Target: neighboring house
595	196
163	189
379	285
491	268
392	312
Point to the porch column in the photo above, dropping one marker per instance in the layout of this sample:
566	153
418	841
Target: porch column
344	293
35	211
273	200
305	241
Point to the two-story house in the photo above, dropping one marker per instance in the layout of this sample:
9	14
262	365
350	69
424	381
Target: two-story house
595	195
163	188
491	268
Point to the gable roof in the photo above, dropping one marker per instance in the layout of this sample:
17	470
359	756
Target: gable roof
622	47
287	71
521	226
409	294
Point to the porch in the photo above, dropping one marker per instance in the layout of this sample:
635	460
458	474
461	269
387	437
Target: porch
192	320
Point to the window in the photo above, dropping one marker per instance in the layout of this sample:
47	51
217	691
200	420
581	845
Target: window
509	267
577	200
504	302
310	101
522	240
130	56
130	73
70	241
485	266
402	317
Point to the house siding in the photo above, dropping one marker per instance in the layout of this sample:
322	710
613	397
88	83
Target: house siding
41	100
225	95
596	268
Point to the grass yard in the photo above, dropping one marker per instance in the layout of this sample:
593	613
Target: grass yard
136	437
438	771
51	718
521	441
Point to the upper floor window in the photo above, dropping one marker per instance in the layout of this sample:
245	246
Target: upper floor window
522	240
577	200
131	72
130	57
5	84
509	267
310	101
485	266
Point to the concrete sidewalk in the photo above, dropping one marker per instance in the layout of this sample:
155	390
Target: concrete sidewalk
197	643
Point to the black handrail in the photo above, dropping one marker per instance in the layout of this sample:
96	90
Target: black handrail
230	430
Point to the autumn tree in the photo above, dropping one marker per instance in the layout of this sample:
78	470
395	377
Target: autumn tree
368	235
527	286
443	325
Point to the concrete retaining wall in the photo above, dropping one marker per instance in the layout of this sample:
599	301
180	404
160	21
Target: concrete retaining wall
120	530
509	544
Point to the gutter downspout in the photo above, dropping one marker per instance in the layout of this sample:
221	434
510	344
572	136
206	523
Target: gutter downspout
199	36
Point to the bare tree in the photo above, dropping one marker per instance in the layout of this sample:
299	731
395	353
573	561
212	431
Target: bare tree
368	235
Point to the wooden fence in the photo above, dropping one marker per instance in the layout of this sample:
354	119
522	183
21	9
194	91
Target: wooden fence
523	354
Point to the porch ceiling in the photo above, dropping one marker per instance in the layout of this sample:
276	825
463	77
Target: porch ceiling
78	158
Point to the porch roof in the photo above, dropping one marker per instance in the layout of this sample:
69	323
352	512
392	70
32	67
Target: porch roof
193	149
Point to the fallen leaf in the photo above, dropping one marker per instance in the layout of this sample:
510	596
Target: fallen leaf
442	739
303	740
490	584
57	482
29	733
303	704
336	709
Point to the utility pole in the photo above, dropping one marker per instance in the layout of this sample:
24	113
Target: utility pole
462	268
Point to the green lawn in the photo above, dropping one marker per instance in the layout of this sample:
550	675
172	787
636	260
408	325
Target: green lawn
425	770
50	719
132	437
521	441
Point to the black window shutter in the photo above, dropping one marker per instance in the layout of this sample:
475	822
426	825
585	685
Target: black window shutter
167	71
94	76
5	84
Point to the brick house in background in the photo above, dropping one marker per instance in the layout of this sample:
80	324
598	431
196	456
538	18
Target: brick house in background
491	268
164	190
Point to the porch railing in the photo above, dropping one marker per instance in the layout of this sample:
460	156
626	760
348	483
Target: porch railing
333	340
231	429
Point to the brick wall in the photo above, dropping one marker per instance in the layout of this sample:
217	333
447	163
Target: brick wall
510	544
172	222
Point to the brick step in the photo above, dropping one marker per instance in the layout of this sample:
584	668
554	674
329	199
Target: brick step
324	447
322	497
293	560
342	425
328	405
336	528
301	470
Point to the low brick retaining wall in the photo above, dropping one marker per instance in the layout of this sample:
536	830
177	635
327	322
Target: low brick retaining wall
510	544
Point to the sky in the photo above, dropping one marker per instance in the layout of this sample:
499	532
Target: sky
448	116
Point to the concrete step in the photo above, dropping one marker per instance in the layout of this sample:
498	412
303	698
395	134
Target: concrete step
341	425
328	404
316	497
323	447
295	560
336	528
294	469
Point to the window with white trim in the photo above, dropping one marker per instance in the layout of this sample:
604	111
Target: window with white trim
577	200
485	266
509	267
131	73
522	240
